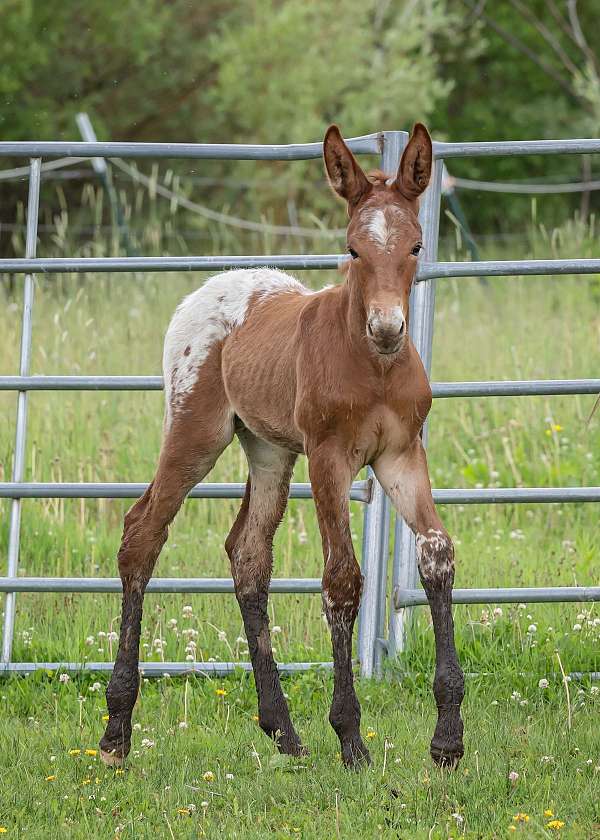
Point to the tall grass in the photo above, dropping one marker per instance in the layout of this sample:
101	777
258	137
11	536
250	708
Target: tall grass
102	324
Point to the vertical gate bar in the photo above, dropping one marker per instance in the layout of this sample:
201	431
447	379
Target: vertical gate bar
14	535
404	570
371	620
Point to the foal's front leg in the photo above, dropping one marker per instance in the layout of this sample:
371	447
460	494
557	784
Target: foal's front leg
331	476
405	479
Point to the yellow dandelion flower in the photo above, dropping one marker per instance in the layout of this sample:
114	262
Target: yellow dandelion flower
220	692
3	830
371	734
185	812
98	781
548	432
86	782
50	778
557	427
254	717
105	717
548	813
512	828
520	817
74	752
555	825
119	771
91	752
209	776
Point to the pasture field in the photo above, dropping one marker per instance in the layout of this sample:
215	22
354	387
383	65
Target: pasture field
193	734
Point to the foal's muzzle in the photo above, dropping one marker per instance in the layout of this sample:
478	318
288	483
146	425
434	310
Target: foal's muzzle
386	330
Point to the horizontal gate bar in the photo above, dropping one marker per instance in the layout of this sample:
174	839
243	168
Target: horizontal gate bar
157	669
491	388
62	265
360	491
367	144
497	268
187	585
426	271
519	495
526	595
512	388
514	147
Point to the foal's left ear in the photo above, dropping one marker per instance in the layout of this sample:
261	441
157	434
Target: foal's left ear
344	174
415	167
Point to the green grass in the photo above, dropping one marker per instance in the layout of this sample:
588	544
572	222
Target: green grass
508	328
164	792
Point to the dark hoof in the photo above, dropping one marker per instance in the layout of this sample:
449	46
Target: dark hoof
447	742
448	758
354	754
113	753
290	746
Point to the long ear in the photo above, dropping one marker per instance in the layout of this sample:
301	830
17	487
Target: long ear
344	174
415	167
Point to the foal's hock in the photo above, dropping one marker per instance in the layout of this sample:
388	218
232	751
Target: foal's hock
332	375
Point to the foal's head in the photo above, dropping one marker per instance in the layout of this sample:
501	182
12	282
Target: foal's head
384	235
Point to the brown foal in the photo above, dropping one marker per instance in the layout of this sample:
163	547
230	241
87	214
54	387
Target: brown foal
334	375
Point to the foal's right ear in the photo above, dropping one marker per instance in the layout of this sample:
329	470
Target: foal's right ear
343	172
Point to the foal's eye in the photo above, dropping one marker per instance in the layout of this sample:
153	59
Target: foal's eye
352	253
416	249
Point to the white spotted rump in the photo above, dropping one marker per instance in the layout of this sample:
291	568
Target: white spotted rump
208	315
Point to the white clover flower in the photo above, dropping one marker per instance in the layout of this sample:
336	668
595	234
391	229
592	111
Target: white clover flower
577	627
90	640
137	727
229	776
222	636
276	628
532	629
543	683
112	636
498	612
187	611
64	678
183	724
96	686
513	776
172	623
147	743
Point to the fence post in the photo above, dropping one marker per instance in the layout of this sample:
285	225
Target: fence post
14	533
405	574
375	548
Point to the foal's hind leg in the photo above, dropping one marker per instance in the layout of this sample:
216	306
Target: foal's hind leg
250	549
406	480
201	429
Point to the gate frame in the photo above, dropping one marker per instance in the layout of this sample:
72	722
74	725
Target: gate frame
404	595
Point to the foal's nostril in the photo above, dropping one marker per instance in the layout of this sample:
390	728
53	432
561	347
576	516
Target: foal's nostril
402	329
369	329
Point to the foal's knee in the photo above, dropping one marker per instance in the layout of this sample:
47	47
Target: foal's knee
342	589
435	558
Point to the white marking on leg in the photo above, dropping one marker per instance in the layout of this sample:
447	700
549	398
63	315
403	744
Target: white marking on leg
435	557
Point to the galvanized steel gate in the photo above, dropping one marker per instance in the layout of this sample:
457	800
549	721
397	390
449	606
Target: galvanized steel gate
372	642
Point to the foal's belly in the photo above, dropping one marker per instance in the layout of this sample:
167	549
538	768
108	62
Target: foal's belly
259	374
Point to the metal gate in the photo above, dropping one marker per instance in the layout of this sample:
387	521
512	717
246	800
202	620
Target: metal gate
372	642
